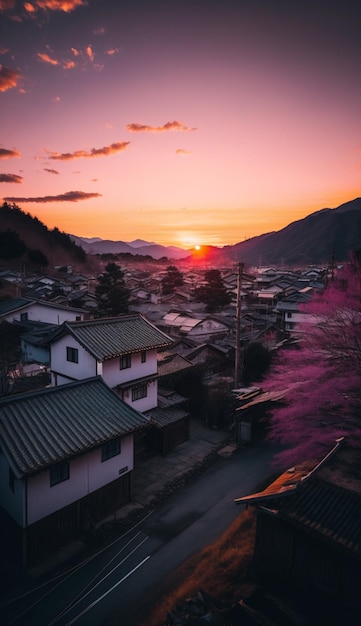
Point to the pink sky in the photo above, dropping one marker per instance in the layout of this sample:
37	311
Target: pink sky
182	122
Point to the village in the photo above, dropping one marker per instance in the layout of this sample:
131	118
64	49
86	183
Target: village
84	397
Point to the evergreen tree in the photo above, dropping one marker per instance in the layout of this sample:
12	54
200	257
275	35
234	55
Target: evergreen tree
111	293
213	293
172	280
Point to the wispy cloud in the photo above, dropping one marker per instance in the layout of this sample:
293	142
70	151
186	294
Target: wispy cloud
69	196
113	51
89	52
46	58
135	127
10	178
50	171
8	154
58	5
6	5
182	152
94	152
8	78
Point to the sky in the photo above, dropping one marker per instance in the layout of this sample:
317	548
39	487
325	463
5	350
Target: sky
179	122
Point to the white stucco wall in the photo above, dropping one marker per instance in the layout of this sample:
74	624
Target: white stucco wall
11	501
87	474
85	368
143	404
41	313
113	375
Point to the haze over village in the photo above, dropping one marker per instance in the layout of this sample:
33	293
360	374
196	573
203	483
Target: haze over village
180	279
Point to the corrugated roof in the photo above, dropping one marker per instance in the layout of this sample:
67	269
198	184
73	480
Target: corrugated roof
111	337
41	428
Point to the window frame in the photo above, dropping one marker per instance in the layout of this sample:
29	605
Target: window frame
143	356
72	354
59	473
125	361
139	392
110	449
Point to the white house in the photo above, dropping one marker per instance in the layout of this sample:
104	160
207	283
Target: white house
26	309
123	350
66	458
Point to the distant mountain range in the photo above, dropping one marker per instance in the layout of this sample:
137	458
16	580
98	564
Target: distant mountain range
96	245
314	239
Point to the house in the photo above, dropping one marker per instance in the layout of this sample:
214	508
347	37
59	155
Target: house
66	460
23	309
308	535
123	350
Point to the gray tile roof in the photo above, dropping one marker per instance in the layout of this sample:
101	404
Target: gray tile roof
41	428
111	337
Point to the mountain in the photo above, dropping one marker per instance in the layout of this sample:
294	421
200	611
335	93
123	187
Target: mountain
143	248
311	240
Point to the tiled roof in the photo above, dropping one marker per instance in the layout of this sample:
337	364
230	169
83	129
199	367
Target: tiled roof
173	364
13	304
164	417
323	498
41	428
111	337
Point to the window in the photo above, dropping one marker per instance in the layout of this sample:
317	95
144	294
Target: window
139	392
110	449
143	356
289	314
125	361
11	480
24	317
59	473
72	355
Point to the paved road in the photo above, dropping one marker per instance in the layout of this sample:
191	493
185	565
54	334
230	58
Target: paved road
115	581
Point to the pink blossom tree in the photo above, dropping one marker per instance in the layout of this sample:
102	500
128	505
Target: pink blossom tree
321	374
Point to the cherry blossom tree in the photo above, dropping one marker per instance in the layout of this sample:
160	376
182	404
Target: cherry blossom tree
321	374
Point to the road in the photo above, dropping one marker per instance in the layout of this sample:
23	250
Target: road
114	581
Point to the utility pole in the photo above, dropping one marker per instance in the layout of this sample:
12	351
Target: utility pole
237	364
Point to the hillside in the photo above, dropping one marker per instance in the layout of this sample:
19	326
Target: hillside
311	240
26	241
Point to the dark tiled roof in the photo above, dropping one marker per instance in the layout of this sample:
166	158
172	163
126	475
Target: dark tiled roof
108	338
41	428
13	304
164	417
173	364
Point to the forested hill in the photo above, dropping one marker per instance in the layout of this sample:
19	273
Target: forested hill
26	240
314	239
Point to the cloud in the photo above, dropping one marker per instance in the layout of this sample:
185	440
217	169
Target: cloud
43	56
69	196
50	171
59	5
141	128
6	5
10	178
182	152
89	52
68	65
8	78
75	52
8	154
94	152
112	51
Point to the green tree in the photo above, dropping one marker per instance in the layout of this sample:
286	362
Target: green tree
111	293
11	246
38	257
213	293
256	362
172	280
